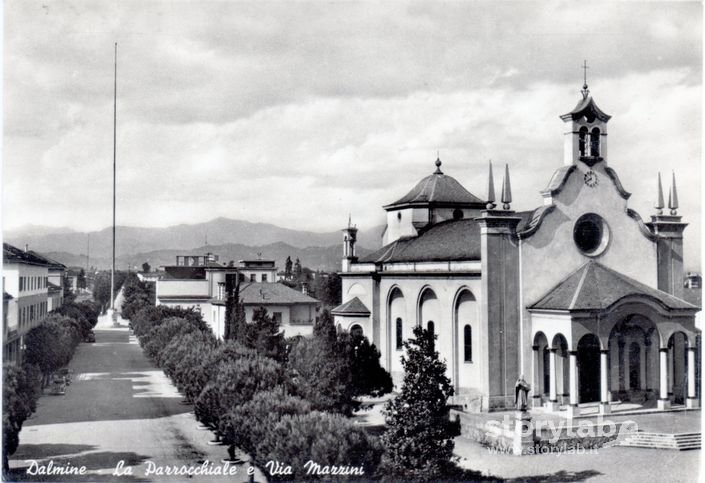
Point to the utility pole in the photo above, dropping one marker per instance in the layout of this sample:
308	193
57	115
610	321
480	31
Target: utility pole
112	271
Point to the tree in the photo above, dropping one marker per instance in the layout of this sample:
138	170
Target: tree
51	345
321	370
287	268
297	270
328	288
82	279
19	394
368	376
235	383
146	267
325	439
246	425
264	336
418	440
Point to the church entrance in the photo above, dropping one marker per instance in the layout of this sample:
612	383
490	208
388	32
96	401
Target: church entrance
634	366
633	360
589	369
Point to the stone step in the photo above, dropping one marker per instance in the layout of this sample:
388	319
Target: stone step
679	441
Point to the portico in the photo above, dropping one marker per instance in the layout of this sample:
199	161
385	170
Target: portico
611	339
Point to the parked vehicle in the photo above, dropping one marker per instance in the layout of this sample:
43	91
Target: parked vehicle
90	337
58	386
66	374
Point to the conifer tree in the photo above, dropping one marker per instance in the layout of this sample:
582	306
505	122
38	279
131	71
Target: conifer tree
418	439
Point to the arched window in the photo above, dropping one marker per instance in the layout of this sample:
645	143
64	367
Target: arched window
467	343
582	141
595	142
400	335
356	331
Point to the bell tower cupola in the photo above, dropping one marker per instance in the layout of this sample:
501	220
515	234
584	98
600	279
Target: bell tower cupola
586	134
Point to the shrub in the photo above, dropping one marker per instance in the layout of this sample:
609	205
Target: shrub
325	439
248	424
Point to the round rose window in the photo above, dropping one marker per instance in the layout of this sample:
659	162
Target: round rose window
591	234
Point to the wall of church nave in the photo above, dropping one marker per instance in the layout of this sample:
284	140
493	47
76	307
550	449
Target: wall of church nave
407	302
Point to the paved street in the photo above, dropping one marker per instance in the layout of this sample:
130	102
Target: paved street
118	408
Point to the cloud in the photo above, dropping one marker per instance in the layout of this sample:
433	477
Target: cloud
277	111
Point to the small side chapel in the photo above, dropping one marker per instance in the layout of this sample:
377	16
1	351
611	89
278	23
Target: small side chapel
581	295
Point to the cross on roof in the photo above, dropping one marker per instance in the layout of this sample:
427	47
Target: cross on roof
585	68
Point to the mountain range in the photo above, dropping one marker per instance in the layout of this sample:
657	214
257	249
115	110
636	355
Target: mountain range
230	239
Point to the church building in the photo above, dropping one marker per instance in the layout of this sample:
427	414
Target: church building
581	295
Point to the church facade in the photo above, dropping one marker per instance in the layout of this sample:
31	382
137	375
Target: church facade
581	295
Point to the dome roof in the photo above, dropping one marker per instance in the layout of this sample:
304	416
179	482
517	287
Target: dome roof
438	189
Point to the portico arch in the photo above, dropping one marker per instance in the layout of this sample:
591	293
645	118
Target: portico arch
588	368
633	359
678	366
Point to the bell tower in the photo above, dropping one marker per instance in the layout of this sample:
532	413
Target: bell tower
586	136
349	240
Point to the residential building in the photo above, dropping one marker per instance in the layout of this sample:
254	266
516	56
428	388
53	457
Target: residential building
26	298
199	283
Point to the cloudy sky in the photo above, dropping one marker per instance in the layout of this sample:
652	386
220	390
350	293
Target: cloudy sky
296	113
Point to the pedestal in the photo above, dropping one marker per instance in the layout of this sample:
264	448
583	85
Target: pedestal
573	411
692	403
553	406
664	404
523	433
605	408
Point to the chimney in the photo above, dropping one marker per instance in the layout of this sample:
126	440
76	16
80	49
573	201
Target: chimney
304	288
26	247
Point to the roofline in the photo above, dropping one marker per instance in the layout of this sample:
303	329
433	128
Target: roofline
350	314
435	204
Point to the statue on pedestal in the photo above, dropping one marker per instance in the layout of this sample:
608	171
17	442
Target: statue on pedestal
521	389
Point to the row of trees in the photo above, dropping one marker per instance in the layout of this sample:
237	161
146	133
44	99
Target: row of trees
275	398
289	400
49	347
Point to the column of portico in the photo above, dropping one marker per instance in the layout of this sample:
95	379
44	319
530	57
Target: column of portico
670	355
536	383
573	408
691	401
553	399
604	382
663	402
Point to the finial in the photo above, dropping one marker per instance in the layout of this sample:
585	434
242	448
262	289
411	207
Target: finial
438	164
659	200
585	90
349	220
490	190
673	196
506	189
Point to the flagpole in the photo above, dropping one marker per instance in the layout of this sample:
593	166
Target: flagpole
112	271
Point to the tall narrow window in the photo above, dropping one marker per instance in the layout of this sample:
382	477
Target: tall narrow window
595	142
467	343
431	327
400	335
582	141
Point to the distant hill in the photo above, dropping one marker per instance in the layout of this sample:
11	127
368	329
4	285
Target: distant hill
315	258
133	241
